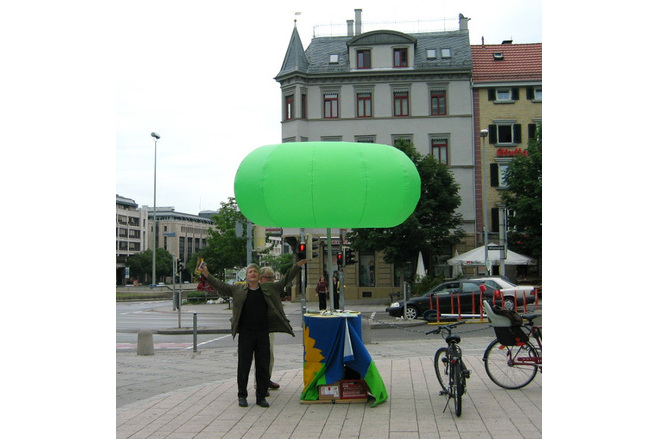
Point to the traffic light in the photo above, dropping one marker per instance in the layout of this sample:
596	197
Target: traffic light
339	259
312	246
179	265
350	256
302	251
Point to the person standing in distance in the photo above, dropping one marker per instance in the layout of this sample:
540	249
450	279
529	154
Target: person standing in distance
257	311
321	292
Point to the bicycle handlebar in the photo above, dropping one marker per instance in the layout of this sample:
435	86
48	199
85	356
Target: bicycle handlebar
446	327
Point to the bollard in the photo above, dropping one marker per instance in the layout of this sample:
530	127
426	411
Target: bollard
145	342
366	331
194	332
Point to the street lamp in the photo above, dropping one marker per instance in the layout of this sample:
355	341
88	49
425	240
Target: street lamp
484	134
155	222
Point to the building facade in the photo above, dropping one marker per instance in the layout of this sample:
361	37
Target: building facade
380	86
181	234
131	234
507	88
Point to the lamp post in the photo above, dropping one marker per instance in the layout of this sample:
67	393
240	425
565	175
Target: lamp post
155	222
484	134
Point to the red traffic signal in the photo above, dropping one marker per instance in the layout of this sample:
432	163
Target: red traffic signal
339	259
302	251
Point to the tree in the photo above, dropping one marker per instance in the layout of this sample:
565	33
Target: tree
141	264
224	249
433	224
280	264
523	198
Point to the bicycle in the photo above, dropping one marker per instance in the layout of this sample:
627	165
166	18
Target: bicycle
449	367
511	360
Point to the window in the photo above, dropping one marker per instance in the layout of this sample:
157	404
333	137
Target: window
400	57
439	148
534	94
364	59
438	102
505	133
507	94
446	53
431	54
498	174
364	105
365	139
303	107
401	103
334	59
331	105
288	110
366	269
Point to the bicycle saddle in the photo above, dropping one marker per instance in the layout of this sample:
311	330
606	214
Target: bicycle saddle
453	338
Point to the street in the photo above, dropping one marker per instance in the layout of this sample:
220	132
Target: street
159	316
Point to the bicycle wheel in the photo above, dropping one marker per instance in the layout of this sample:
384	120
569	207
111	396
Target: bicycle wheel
504	366
457	387
441	368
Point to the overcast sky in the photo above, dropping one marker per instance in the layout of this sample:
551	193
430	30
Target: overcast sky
200	74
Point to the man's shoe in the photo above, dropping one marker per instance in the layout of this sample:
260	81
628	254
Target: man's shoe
242	401
273	385
262	403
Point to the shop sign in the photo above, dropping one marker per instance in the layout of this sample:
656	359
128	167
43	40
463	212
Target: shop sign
509	152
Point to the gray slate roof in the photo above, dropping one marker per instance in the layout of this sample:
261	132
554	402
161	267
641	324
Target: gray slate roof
316	58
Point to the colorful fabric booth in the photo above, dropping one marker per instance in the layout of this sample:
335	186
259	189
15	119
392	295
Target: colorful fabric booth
331	343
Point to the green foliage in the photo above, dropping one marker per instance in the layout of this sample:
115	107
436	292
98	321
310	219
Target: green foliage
523	195
433	224
200	296
426	284
224	249
280	264
141	264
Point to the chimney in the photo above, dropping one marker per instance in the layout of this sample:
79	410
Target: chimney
351	30
358	21
463	22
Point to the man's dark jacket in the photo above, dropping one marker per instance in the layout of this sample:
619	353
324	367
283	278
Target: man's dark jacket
272	291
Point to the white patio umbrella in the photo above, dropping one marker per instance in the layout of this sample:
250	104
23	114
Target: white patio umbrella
477	257
420	268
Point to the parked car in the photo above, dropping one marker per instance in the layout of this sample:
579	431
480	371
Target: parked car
510	290
466	294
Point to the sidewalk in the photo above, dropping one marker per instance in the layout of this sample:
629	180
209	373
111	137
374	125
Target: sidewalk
193	395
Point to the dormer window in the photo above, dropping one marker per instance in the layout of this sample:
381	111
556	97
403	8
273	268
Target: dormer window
400	57
334	58
364	59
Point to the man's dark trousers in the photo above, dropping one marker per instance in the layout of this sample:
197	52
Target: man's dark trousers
254	345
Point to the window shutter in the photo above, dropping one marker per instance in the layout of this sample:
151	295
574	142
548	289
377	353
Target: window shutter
517	133
515	94
491	94
494	214
531	131
493	134
529	93
494	175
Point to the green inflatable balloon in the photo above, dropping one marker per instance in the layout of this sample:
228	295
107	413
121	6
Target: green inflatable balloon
327	185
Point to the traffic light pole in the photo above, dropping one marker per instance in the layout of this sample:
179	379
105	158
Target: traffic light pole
303	282
330	269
